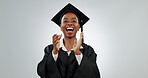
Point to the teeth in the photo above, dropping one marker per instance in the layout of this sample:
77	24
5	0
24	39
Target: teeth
69	29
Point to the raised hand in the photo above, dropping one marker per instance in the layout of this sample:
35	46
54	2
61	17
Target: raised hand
56	42
78	44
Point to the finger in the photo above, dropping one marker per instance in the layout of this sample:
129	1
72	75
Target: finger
56	42
59	37
54	36
80	39
81	35
75	43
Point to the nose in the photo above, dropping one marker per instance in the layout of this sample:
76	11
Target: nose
69	24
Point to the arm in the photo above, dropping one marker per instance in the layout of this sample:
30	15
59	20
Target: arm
56	43
88	67
47	67
78	53
79	58
55	56
41	68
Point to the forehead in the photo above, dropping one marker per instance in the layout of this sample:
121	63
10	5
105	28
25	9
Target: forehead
69	15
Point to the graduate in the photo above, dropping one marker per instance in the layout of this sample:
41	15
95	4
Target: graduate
69	57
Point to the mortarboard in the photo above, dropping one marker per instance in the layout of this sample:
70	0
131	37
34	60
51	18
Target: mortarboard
70	8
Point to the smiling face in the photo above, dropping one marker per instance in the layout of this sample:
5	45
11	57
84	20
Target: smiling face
69	25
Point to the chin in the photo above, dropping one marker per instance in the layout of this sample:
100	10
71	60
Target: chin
70	37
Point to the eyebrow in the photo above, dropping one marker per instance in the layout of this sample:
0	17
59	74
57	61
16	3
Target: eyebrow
67	18
73	18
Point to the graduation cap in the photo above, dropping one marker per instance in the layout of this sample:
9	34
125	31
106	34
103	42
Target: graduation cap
70	8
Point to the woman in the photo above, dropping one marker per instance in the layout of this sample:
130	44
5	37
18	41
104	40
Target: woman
70	58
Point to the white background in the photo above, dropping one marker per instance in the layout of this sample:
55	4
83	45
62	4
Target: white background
117	30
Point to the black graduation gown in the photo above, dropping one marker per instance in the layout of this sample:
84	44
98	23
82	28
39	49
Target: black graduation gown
67	66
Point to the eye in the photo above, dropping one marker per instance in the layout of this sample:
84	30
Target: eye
74	21
65	21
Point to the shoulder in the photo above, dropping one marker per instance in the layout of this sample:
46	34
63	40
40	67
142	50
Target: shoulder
88	49
48	48
86	46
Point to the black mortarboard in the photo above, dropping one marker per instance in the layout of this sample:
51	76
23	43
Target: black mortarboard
70	8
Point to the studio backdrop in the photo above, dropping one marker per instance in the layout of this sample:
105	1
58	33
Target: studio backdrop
117	30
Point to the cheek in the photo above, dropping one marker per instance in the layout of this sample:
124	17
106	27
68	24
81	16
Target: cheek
77	27
62	27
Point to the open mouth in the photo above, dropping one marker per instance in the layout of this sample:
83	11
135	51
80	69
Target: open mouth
69	29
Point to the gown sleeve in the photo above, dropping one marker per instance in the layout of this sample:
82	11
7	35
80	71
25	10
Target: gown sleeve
79	58
47	67
88	67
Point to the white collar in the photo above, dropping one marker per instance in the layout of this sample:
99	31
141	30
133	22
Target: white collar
63	47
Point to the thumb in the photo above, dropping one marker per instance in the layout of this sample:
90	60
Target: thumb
59	36
80	40
81	35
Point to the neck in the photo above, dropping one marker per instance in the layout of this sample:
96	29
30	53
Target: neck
69	42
